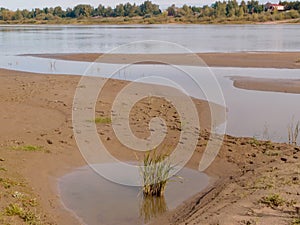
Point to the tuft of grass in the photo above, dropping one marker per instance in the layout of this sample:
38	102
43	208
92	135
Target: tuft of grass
248	222
254	142
272	200
264	183
101	120
3	169
296	221
28	148
14	210
293	132
8	183
155	173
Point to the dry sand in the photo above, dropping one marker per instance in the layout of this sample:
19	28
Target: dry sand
36	110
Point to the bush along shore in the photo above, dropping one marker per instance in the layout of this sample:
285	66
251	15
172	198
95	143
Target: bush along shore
148	13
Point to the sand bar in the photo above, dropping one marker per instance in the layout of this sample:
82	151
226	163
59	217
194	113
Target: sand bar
290	60
267	84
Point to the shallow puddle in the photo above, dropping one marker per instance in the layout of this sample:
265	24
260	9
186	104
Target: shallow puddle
95	200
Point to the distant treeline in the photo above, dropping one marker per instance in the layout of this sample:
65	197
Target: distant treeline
220	10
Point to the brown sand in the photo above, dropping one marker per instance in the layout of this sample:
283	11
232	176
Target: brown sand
289	60
36	110
265	84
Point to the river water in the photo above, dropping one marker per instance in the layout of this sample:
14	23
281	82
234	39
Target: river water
198	38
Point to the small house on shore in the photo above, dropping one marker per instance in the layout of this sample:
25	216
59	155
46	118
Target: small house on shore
272	7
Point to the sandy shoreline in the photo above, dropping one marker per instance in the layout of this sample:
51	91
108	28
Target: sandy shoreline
37	110
290	60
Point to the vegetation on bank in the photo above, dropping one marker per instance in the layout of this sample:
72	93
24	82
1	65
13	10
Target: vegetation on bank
148	13
18	203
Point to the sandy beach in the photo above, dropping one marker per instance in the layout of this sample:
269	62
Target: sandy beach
37	146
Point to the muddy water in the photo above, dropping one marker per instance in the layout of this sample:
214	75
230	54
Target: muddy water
95	200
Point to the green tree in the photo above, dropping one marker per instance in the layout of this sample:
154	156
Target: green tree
290	5
6	14
254	7
119	10
82	10
17	15
187	10
195	9
69	13
58	11
149	8
128	10
46	10
232	8
172	10
132	10
99	11
243	5
36	12
207	11
109	12
220	9
240	12
26	14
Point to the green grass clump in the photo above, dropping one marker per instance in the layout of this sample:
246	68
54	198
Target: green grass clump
273	200
8	183
28	148
155	173
13	210
101	120
26	215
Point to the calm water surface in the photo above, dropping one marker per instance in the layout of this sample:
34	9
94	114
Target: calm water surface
197	38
